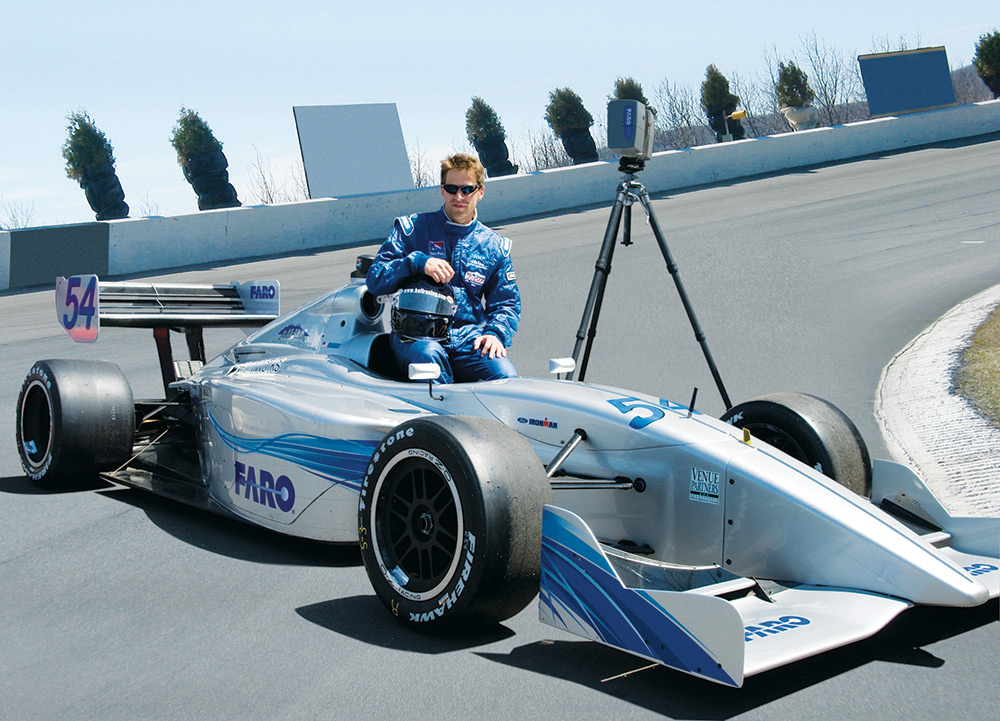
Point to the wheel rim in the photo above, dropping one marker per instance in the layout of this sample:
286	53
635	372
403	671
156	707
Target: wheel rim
35	425
781	440
419	527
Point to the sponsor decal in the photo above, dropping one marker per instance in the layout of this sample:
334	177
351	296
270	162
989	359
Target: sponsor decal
450	599
262	292
769	628
704	486
978	569
293	332
510	276
261	487
436	248
539	422
474	278
258	366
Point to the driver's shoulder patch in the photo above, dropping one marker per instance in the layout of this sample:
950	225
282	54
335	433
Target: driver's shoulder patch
405	223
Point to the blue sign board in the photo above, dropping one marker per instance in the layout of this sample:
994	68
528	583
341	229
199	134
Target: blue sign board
907	81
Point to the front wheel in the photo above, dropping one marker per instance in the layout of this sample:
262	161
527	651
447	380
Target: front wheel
451	521
811	430
74	417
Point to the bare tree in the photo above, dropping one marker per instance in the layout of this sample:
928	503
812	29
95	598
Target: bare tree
969	87
16	215
836	82
266	189
543	151
421	168
678	120
148	206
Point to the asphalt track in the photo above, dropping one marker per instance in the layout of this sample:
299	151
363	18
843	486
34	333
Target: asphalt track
117	604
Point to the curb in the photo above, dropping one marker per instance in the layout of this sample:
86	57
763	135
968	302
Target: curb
953	448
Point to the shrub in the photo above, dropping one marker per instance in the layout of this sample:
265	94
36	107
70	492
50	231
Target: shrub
565	112
792	87
192	136
987	61
630	89
716	100
86	147
482	122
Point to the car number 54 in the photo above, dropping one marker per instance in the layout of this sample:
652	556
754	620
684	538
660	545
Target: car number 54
77	307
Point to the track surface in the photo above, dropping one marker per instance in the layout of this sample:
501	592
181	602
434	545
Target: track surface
117	604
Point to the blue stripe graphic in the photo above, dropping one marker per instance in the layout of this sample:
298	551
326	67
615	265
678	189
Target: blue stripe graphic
340	461
580	589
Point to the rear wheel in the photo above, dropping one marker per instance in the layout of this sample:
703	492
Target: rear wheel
451	521
74	418
811	430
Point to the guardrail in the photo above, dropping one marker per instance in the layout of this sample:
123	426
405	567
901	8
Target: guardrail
36	256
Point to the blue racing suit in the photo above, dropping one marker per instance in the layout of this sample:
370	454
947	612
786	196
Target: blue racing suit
483	272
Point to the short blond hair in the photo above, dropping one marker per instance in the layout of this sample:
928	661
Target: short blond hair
461	161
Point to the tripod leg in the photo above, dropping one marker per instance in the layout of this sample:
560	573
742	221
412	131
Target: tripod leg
672	268
592	310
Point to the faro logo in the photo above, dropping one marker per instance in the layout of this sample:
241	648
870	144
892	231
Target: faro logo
262	292
263	488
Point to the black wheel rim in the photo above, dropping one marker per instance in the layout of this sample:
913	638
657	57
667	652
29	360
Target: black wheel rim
418	527
35	425
781	440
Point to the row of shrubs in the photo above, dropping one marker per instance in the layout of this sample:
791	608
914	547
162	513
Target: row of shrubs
90	161
571	122
90	156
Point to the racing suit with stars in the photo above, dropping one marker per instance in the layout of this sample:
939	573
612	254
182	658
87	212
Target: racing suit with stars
486	294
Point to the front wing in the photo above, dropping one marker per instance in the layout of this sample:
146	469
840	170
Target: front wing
722	631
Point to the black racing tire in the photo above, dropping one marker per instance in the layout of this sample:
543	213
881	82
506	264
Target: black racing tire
811	430
74	418
451	521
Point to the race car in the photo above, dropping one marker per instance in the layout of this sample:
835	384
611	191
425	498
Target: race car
718	547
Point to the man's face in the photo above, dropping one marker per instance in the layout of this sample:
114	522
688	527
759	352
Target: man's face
461	208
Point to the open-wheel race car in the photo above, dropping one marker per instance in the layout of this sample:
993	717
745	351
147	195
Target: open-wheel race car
721	548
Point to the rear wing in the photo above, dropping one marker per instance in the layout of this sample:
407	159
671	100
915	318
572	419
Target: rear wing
84	303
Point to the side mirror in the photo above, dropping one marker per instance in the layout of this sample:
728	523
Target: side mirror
429	372
561	365
423	371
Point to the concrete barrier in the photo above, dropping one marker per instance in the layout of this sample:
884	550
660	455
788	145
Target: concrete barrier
35	256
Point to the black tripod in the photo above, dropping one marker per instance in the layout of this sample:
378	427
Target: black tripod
630	190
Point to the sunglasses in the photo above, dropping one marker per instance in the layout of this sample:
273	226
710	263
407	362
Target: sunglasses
466	189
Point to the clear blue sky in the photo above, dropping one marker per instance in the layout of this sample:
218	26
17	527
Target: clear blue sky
243	65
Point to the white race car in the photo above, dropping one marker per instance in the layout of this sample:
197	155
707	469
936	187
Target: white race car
721	548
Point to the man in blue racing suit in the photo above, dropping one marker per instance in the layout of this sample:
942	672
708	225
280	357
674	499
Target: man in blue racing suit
451	246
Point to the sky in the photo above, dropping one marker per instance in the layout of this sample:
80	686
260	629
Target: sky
244	65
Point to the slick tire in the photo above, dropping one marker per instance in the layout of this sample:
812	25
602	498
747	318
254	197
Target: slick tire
811	430
74	418
451	522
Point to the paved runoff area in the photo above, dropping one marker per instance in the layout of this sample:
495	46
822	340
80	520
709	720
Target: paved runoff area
929	427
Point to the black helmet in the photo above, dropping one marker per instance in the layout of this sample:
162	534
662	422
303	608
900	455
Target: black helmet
423	310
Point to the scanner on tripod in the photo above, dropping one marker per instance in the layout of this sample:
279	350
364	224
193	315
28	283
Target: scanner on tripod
630	132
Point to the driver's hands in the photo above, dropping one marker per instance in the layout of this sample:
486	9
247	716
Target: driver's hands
490	345
440	271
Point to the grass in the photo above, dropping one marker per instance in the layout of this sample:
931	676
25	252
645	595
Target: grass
977	378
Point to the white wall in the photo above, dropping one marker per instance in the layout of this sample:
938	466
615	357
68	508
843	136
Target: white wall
148	244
